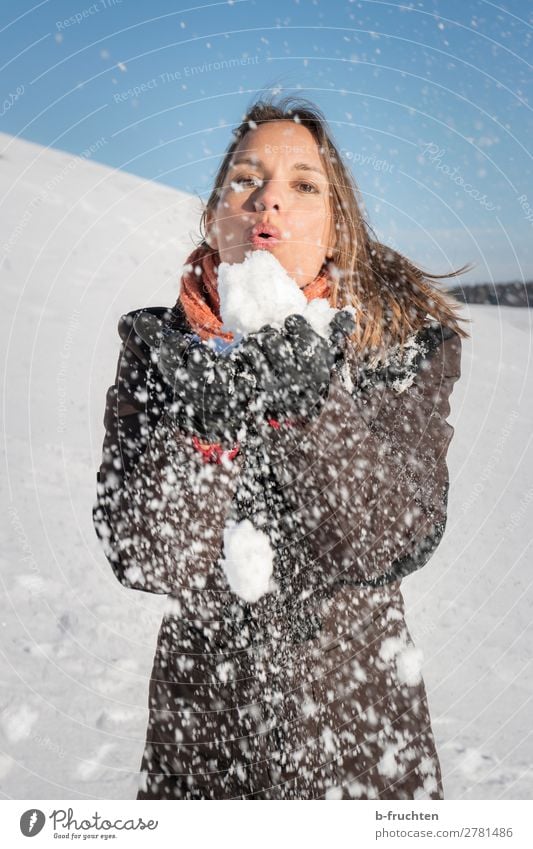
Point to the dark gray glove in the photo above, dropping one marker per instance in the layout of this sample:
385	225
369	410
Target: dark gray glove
293	365
211	392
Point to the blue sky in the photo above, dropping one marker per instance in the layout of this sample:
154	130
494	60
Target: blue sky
428	102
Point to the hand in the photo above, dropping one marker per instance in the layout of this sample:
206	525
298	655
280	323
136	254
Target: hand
211	393
293	366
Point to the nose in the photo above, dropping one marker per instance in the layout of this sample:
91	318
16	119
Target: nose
267	197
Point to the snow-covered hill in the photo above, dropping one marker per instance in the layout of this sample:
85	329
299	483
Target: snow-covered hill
81	244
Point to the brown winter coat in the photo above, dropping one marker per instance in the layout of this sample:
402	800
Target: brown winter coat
313	691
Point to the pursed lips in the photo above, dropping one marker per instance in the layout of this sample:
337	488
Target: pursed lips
264	233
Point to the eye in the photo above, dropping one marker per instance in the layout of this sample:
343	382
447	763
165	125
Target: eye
311	189
246	179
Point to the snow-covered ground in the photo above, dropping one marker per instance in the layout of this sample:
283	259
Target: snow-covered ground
82	244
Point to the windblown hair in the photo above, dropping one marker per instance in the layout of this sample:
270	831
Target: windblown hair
391	295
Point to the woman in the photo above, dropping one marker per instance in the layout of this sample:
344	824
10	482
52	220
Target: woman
312	690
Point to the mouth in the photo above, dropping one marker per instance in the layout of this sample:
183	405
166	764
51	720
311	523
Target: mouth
264	236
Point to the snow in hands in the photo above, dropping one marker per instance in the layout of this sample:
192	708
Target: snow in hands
259	292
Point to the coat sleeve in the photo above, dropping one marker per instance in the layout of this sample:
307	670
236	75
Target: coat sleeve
367	482
160	509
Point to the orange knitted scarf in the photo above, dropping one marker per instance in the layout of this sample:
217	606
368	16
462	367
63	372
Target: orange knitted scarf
199	293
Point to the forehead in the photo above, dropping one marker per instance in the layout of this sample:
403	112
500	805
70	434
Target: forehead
279	138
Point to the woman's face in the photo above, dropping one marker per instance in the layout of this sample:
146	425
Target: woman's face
276	179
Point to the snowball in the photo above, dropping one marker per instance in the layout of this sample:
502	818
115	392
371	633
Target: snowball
259	291
248	560
409	666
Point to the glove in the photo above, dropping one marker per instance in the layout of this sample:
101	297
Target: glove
211	393
293	366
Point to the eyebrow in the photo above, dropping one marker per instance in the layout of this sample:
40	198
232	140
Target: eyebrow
298	166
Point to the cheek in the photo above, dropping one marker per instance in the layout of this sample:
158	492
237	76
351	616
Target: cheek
310	225
229	200
230	216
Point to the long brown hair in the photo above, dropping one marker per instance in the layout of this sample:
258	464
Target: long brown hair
392	296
